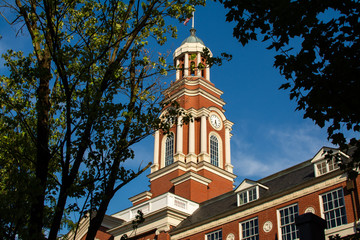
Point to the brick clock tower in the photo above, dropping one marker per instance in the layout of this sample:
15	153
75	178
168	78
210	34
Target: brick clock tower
192	161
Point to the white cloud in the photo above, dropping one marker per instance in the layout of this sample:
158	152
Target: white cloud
275	149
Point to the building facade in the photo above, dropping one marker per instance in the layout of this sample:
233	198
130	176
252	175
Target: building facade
191	192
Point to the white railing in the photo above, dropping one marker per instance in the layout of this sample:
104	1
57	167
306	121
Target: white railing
167	200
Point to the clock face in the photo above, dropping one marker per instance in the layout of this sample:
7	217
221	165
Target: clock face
215	121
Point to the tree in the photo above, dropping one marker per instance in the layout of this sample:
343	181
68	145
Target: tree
318	50
72	107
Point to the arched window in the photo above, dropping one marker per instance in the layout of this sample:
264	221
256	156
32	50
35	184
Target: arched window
214	150
169	149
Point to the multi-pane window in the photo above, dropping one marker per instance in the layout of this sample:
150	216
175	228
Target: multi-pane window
334	208
248	196
214	150
287	222
326	166
250	230
216	235
169	149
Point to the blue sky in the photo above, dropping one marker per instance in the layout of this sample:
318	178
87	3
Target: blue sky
268	135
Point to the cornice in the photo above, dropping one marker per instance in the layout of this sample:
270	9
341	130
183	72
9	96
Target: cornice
141	196
194	167
191	176
199	81
197	92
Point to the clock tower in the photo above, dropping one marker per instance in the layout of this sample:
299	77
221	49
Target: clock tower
193	160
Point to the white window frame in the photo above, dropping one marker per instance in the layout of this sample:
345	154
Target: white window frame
327	165
163	149
247	192
220	148
253	235
214	232
279	221
323	212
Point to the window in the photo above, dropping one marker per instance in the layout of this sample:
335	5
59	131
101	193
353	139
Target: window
248	196
216	235
326	166
334	208
287	222
192	68
249	230
169	150
214	150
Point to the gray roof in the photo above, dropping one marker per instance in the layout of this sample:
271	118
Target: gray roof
192	38
279	184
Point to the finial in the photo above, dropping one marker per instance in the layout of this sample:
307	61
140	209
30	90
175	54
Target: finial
192	32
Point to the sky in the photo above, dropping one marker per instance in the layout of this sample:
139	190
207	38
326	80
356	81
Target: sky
268	134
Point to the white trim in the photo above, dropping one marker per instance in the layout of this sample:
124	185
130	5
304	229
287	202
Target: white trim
203	135
191	176
155	165
218	111
246	184
197	92
247	220
342	230
220	149
163	149
140	196
321	202
279	217
191	167
190	47
327	165
247	191
212	232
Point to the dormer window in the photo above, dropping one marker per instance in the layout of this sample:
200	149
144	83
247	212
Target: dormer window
326	166
322	162
247	196
249	191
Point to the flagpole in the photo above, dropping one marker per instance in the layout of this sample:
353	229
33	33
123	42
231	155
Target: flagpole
193	19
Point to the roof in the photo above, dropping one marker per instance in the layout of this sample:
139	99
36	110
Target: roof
192	38
279	183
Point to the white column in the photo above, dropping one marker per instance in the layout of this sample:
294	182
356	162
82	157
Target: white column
179	136
177	69
191	137
186	72
228	166
208	73
155	166
198	62
203	138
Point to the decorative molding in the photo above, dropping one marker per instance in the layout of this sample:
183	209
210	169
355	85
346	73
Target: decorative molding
141	196
230	236
267	227
198	81
197	92
310	210
191	166
191	176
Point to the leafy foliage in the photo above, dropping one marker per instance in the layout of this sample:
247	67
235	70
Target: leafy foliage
318	50
74	105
